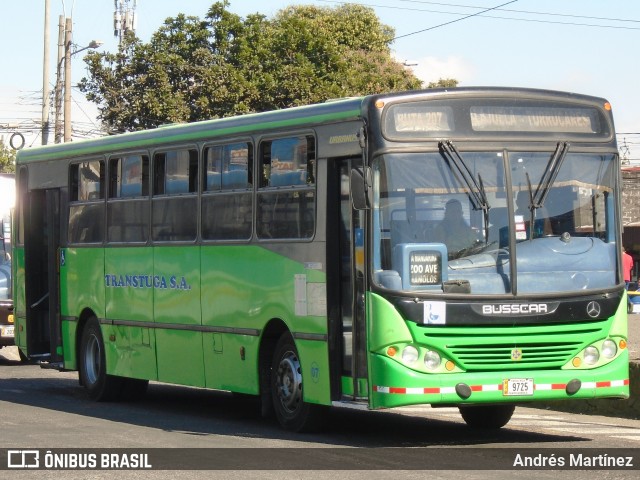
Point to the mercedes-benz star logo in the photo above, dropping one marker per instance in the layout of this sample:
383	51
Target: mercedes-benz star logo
593	309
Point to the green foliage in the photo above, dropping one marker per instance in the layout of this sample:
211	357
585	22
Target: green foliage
7	159
444	83
194	69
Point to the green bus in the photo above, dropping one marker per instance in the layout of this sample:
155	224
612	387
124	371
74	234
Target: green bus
445	247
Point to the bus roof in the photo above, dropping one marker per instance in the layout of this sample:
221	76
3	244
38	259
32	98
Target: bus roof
330	111
345	109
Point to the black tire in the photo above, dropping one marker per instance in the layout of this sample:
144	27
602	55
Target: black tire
292	412
487	416
93	366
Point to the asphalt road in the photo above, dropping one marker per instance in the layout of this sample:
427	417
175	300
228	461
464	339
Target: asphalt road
45	409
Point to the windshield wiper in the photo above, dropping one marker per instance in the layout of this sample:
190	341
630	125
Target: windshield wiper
550	174
477	193
537	199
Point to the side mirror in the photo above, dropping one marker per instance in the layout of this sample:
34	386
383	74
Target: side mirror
361	194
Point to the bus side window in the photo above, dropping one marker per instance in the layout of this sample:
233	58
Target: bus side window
174	204
286	195
227	201
128	199
86	202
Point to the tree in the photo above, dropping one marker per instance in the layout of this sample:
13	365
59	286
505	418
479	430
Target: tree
444	83
194	69
7	158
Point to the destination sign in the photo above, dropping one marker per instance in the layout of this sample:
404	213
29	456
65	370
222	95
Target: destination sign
425	268
502	118
438	118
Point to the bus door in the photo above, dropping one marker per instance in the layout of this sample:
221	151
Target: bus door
346	293
41	245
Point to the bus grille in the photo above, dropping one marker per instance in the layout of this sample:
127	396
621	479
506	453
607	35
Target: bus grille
506	349
492	357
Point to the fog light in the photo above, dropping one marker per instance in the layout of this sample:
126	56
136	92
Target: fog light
409	354
591	355
432	360
609	349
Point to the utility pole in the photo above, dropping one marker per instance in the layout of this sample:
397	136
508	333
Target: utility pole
58	91
67	80
45	77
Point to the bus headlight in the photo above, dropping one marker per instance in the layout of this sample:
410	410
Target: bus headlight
609	349
591	355
409	354
432	360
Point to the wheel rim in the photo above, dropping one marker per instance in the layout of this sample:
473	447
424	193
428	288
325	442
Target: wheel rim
289	382
92	359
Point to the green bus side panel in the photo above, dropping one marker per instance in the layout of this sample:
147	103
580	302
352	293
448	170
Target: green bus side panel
82	281
81	287
177	305
180	357
231	362
243	288
128	285
315	371
69	331
196	315
19	304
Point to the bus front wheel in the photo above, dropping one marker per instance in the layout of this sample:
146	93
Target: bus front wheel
93	366
292	412
487	416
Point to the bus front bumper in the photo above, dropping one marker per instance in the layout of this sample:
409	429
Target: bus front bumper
393	385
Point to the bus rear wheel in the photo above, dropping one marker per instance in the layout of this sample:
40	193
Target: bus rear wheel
292	412
93	366
487	416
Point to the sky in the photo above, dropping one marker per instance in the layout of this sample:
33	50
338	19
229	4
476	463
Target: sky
582	46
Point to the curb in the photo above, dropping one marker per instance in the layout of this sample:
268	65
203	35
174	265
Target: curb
629	408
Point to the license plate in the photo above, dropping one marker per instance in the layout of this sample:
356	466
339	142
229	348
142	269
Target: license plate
7	331
517	387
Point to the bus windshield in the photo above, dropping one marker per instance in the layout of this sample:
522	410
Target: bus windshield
495	222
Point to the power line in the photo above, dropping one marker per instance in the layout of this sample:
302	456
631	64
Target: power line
529	12
454	21
531	20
